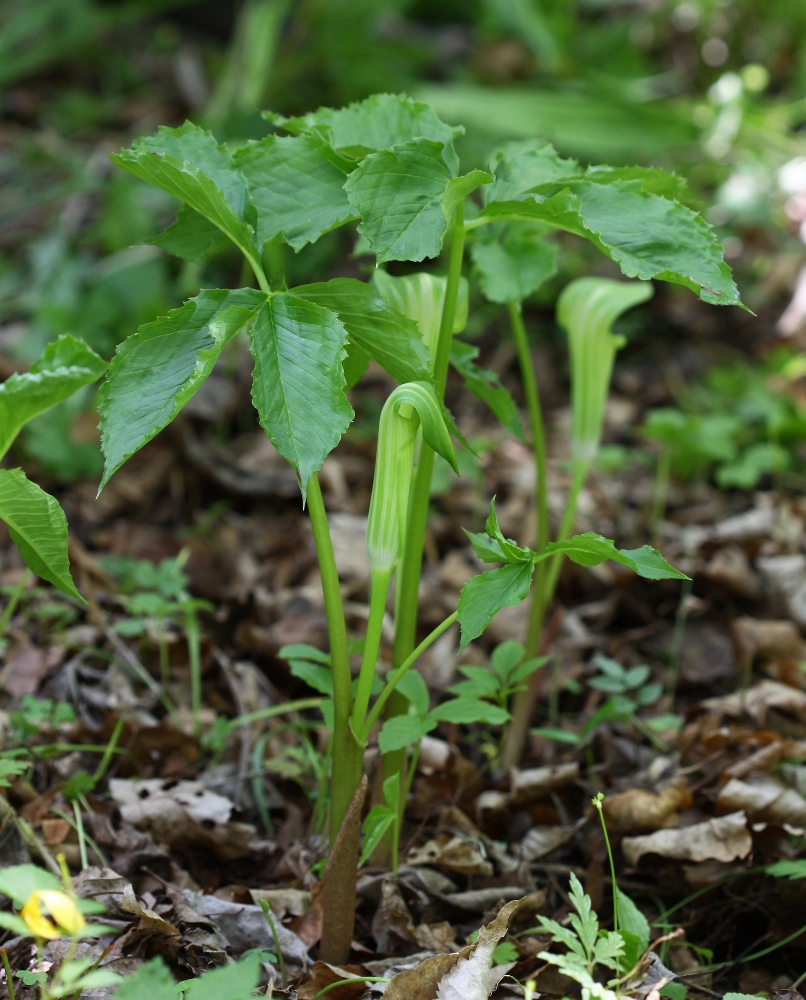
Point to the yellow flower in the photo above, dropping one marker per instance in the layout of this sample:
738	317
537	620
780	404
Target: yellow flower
65	916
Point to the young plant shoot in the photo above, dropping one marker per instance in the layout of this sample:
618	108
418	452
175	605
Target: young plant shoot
389	164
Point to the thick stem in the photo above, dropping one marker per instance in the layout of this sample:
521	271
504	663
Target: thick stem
380	580
339	884
345	776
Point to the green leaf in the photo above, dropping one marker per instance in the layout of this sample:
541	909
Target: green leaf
591	549
303	651
379	330
297	187
412	686
631	919
462	711
485	595
652	180
378	820
38	527
16	925
506	656
486	386
519	167
516	265
758	460
397	193
788	869
315	676
65	366
646	235
11	768
235	982
355	365
189	164
192	237
18	882
559	735
298	382
403	731
379	122
156	371
491	546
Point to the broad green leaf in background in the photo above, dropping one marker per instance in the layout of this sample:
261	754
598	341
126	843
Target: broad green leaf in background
514	265
486	386
588	121
634	929
379	122
652	179
156	371
519	167
65	366
38	527
189	164
298	382
420	297
485	595
355	364
151	981
378	820
192	237
388	337
296	184
406	196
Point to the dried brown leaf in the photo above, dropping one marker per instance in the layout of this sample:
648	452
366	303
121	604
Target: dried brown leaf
722	839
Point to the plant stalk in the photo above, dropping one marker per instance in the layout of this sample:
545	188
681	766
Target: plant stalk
524	701
347	756
379	591
408	573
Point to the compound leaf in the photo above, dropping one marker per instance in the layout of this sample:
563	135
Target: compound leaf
297	187
404	731
298	381
38	527
464	710
156	371
485	595
381	332
65	366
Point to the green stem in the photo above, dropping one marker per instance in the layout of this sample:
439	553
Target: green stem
379	591
13	601
392	682
269	713
345	775
109	750
194	657
82	843
408	577
525	700
9	978
662	477
598	803
280	957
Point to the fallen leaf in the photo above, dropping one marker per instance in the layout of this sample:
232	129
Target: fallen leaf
284	902
459	854
474	977
637	810
324	976
757	701
392	924
26	668
722	839
542	840
537	782
764	798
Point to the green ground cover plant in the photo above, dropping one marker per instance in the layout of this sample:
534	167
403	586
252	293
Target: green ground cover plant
389	164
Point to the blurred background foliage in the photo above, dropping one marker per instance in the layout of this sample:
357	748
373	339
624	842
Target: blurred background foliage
712	89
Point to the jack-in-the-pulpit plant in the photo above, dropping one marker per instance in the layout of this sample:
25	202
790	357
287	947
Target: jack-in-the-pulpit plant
389	164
